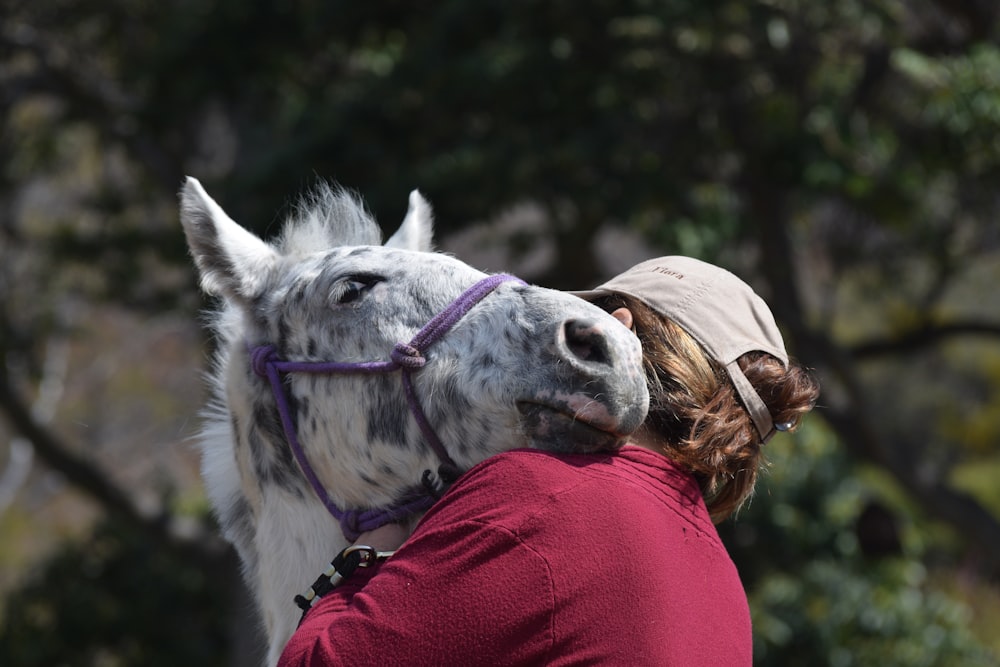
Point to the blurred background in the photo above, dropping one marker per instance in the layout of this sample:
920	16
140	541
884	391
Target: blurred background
843	157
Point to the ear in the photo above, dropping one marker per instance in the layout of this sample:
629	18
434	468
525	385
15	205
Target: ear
417	230
232	261
623	315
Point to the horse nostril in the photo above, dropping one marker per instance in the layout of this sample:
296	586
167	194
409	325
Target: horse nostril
585	341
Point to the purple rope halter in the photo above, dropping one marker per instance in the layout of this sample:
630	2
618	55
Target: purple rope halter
407	358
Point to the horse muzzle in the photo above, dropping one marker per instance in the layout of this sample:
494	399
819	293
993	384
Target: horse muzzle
580	422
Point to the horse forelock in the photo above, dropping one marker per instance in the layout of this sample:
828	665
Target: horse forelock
326	217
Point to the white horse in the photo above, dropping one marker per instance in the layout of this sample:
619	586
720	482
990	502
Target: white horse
354	381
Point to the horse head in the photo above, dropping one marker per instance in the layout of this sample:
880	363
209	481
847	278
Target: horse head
351	377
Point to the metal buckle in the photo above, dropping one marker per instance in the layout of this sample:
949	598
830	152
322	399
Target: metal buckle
368	554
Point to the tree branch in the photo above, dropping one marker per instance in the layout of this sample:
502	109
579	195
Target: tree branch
922	337
208	551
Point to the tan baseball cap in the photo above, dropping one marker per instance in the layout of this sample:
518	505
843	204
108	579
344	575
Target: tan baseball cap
716	308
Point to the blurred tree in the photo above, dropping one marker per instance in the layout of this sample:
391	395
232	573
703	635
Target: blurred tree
820	595
842	156
118	599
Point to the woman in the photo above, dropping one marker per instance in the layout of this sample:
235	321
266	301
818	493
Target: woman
540	558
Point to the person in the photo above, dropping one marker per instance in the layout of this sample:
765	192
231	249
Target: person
536	557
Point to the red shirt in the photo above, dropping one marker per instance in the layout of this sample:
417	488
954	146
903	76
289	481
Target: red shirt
535	558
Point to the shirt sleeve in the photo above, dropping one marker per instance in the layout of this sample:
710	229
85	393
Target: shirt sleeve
466	593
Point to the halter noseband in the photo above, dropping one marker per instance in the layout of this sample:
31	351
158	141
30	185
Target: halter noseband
406	357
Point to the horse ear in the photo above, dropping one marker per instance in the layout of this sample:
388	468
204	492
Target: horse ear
232	261
417	230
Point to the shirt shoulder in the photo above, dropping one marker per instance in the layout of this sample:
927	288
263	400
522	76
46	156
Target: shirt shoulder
515	487
604	532
508	487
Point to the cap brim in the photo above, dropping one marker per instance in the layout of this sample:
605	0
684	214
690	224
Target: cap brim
590	295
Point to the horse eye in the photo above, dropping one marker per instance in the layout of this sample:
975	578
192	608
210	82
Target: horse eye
354	288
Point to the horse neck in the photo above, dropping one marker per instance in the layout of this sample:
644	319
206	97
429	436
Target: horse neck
294	536
296	539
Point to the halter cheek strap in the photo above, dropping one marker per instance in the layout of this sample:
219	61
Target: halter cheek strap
405	357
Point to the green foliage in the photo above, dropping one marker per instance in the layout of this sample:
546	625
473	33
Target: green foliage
844	614
816	597
980	477
113	599
670	116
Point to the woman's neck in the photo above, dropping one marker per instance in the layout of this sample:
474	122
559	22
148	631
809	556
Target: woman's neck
647	440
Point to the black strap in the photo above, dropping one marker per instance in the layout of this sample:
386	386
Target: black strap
341	567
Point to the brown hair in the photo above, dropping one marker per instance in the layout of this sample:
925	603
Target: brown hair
695	413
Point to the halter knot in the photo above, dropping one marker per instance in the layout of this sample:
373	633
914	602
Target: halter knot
407	356
350	524
260	357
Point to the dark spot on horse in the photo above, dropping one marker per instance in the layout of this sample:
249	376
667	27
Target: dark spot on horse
527	346
486	361
284	478
239	509
235	422
485	425
237	517
367	479
387	415
387	423
284	332
311	347
258	306
271	455
267	420
257	456
424	308
462	440
299	295
456	403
